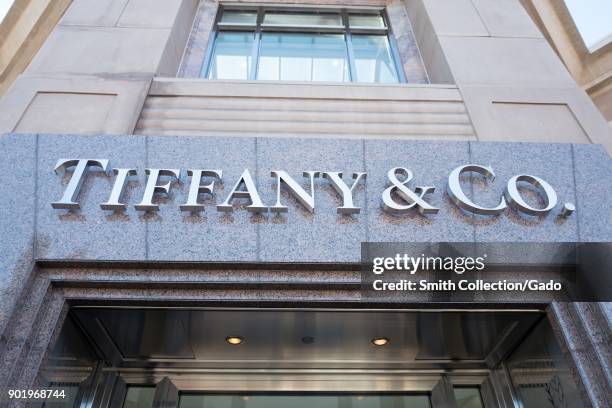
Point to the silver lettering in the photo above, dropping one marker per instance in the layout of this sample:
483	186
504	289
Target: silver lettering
516	200
249	192
195	188
68	200
307	200
335	178
412	198
461	200
152	187
114	202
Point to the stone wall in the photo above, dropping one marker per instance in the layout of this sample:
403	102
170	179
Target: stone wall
579	173
99	62
126	248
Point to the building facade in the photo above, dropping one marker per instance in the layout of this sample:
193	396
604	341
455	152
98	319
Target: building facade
187	185
591	66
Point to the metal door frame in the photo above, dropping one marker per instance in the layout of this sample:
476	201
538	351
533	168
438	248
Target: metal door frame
55	287
107	386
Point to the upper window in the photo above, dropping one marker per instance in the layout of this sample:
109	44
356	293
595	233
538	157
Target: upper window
286	44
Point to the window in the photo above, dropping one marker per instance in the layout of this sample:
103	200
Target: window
286	44
322	400
139	397
468	397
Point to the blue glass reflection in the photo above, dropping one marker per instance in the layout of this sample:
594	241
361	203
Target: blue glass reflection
303	401
232	56
303	57
373	59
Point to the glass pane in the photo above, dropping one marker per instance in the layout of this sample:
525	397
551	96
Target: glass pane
302	19
232	56
303	57
139	397
72	357
540	373
239	17
373	59
303	401
467	397
366	20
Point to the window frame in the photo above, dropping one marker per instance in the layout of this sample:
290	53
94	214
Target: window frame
259	27
306	394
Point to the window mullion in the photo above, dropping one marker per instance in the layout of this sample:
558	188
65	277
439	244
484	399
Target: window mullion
349	47
256	44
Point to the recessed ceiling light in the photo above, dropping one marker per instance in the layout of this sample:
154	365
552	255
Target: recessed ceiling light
234	340
380	341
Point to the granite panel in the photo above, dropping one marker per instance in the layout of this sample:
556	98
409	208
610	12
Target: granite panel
297	236
175	235
430	163
592	174
551	162
606	308
18	331
324	236
89	233
199	295
222	276
36	346
17	222
570	324
580	174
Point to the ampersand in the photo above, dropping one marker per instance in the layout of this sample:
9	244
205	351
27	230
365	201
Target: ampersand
411	198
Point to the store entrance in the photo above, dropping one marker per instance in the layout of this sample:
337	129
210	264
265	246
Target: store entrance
329	358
